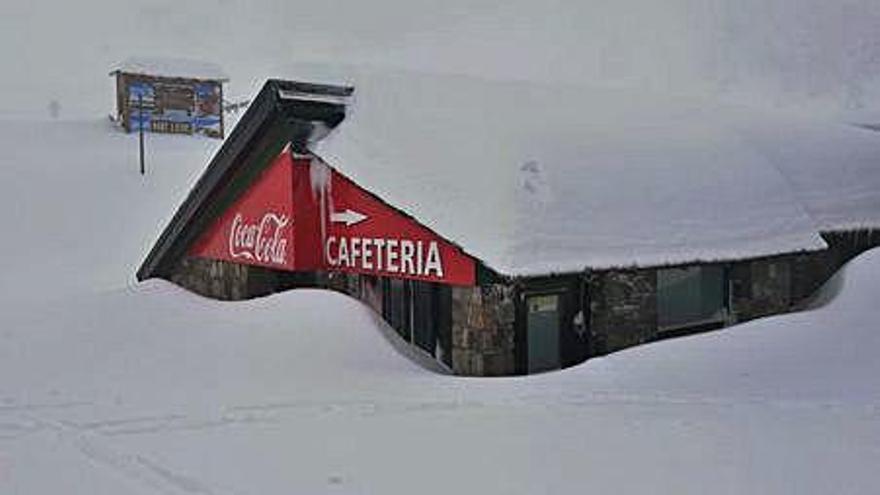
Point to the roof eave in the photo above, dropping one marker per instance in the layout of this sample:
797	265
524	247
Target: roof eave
266	106
255	116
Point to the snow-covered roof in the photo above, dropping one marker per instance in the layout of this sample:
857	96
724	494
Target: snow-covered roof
171	67
534	179
834	171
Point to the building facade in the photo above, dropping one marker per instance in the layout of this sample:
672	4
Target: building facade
528	325
269	215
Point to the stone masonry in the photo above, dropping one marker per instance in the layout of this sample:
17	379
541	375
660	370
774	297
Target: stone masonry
623	308
224	280
760	287
483	330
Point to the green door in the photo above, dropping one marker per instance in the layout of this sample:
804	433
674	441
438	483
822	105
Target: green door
542	329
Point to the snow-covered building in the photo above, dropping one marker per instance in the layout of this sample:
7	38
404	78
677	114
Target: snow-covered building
513	227
177	96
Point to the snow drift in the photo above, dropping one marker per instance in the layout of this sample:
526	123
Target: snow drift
111	388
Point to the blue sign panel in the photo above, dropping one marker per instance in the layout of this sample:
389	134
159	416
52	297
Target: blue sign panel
175	107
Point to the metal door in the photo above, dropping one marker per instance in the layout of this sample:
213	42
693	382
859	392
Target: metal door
542	329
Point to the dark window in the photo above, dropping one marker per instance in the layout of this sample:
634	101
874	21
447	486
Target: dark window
424	316
372	293
421	313
443	323
397	306
386	299
688	296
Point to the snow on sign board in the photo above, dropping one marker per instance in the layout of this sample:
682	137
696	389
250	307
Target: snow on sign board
339	227
362	234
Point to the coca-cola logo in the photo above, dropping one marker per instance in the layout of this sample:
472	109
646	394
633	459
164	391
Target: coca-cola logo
262	241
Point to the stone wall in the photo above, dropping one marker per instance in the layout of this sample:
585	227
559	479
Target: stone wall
483	330
780	284
224	280
760	287
623	309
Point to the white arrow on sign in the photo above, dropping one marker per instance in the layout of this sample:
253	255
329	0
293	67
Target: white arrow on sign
348	217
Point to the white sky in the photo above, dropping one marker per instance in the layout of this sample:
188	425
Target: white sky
781	49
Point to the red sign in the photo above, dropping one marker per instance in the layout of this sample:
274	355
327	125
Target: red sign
257	229
363	234
339	227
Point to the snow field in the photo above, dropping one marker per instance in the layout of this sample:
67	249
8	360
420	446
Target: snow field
108	387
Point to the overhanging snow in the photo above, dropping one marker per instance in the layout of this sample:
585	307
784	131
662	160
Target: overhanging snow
534	179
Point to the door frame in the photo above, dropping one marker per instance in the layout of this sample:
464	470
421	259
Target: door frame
569	290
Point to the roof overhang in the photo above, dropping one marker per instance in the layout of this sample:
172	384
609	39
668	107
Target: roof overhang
277	115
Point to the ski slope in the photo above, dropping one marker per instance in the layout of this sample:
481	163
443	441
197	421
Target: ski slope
79	215
110	387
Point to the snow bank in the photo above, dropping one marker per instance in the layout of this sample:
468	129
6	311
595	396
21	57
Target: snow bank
79	216
534	179
148	389
156	390
820	356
